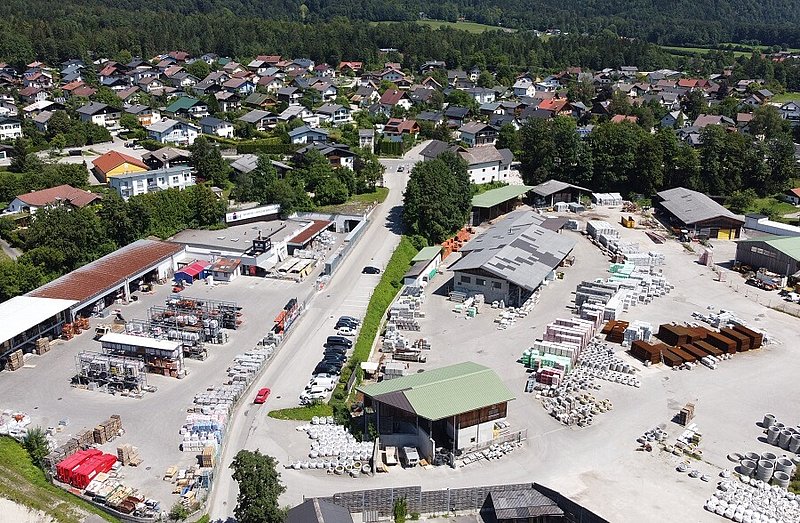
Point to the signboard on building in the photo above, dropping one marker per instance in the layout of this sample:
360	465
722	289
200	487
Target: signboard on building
262	213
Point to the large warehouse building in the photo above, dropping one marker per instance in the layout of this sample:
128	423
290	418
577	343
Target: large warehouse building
780	255
511	259
454	407
700	215
84	291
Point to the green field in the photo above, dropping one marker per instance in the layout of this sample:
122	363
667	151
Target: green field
357	202
470	27
25	484
698	50
786	97
773	207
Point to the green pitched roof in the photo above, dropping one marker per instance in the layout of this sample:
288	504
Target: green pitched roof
445	392
497	196
790	246
427	253
182	103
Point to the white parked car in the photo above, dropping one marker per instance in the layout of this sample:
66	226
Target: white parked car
346	331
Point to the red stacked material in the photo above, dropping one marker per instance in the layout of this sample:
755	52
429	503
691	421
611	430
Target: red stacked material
694	351
756	338
644	351
706	347
722	342
81	468
684	355
670	358
696	333
616	333
672	334
743	342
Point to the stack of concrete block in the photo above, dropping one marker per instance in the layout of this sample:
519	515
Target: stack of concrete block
638	330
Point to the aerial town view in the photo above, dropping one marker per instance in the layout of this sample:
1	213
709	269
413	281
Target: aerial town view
516	261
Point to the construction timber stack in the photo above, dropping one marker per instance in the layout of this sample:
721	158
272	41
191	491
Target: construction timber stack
681	344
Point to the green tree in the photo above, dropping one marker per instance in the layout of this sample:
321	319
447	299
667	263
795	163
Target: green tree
119	225
400	510
208	162
330	191
581	91
178	512
199	69
508	138
19	156
129	121
768	123
740	201
109	97
19	277
437	200
694	104
486	79
206	209
259	488
614	155
36	444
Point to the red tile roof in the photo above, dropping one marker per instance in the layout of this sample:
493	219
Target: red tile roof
309	233
64	193
72	85
619	118
554	104
392	97
84	91
90	282
113	159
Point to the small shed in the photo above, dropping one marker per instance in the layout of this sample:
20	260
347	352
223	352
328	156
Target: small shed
197	270
424	266
495	202
551	192
225	269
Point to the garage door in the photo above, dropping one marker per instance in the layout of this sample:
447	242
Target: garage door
724	234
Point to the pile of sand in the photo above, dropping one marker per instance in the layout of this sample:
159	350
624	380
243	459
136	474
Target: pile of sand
10	511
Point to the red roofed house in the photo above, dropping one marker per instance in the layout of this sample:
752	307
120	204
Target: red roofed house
113	163
63	194
394	97
395	128
690	83
354	67
558	106
793	196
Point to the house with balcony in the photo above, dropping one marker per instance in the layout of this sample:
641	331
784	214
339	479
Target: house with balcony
173	131
100	114
10	128
134	183
216	127
334	114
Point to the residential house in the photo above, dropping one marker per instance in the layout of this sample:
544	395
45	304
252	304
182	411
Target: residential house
42	119
430	65
456	115
173	131
420	95
271	83
484	164
350	67
6	152
144	113
114	163
395	128
392	98
365	95
482	95
793	196
261	120
327	91
290	95
334	114
32	94
791	111
187	106
61	195
242	86
216	127
128	95
393	75
135	183
556	106
324	71
249	162
339	155
150	84
524	87
674	120
228	102
306	134
435	117
166	157
299	112
712	119
478	133
100	114
184	80
620	118
366	139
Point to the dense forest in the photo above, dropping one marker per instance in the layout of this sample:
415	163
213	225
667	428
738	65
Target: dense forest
234	26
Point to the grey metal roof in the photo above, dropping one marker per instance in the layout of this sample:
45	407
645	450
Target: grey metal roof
523	504
318	511
692	207
254	116
554	186
518	249
248	162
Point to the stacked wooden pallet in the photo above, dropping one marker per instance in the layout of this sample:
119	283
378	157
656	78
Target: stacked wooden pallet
42	346
107	430
15	361
207	457
128	455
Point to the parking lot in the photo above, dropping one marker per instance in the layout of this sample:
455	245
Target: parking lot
598	466
42	388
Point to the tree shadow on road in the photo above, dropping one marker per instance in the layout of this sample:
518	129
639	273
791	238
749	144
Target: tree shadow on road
394	220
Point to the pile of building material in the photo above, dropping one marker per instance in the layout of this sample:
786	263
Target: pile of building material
108	430
393	369
752	498
601	231
107	490
629	286
787	438
494	451
109	373
127	454
14	423
686	414
638	330
334	450
405	312
80	468
15	360
42	346
208	457
202	430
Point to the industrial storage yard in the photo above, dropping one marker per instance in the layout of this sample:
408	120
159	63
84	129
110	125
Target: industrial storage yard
598	463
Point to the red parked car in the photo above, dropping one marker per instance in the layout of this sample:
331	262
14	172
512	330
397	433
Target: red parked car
262	395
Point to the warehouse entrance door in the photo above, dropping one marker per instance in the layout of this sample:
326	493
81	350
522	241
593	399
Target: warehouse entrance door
725	234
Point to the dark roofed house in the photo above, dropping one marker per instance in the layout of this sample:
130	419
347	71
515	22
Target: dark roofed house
511	259
524	506
686	209
552	192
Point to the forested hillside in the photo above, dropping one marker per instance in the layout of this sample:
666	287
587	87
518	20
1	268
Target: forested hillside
770	22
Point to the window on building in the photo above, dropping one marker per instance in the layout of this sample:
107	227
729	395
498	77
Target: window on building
466	279
497	285
480	281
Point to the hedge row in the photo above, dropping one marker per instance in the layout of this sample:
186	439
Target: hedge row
267	148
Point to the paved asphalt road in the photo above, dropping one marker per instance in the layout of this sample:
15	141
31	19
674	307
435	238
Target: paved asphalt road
348	293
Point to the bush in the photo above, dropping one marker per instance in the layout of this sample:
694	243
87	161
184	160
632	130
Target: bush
267	148
178	512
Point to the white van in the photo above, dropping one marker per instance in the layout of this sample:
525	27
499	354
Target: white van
316	393
326	383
